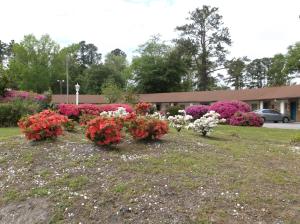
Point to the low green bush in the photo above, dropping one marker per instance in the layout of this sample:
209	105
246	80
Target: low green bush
173	110
11	112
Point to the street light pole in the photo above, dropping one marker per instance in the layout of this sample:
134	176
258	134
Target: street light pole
67	76
60	85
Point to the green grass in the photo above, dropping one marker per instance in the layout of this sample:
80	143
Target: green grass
9	132
184	177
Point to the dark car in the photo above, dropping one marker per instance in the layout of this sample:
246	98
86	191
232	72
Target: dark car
272	115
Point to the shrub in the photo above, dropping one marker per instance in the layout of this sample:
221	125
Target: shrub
70	110
197	111
114	107
11	112
12	95
44	125
228	108
104	131
69	125
143	127
173	110
179	121
85	118
246	119
91	109
206	123
143	108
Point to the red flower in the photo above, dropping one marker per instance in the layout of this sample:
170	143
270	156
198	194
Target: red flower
46	124
104	131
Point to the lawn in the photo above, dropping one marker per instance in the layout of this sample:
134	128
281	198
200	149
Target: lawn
7	132
238	175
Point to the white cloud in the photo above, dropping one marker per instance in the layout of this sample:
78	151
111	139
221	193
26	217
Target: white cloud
258	28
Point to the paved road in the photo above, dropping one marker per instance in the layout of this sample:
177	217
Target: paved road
294	125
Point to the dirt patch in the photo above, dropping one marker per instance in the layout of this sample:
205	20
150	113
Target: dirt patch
27	212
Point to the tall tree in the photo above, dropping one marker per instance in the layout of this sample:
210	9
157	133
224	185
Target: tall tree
293	59
30	67
236	72
205	38
257	73
277	74
158	68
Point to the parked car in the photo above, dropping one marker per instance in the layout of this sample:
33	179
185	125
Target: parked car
272	115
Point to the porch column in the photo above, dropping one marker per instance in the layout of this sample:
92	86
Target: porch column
261	105
282	107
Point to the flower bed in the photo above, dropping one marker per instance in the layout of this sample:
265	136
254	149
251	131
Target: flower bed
246	119
46	124
74	111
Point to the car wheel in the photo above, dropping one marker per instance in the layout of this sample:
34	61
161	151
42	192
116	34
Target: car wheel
285	120
264	119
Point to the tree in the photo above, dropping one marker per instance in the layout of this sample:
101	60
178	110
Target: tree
293	59
277	74
118	52
30	66
205	40
3	80
236	72
158	68
111	92
257	73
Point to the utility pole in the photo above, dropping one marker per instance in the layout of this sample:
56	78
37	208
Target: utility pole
67	74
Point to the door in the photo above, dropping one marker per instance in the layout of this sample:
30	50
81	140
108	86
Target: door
293	109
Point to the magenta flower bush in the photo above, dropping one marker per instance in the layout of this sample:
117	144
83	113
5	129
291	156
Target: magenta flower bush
246	119
11	95
197	111
228	108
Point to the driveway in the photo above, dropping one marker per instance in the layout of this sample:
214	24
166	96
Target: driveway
294	125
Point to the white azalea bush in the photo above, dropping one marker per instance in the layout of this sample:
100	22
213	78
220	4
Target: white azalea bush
206	123
180	120
157	115
120	112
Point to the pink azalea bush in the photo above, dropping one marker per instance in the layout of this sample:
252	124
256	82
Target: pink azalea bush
246	119
11	95
73	111
197	111
227	109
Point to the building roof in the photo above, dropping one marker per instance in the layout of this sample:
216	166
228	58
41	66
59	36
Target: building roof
282	92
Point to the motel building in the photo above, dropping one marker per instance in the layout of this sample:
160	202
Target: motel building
285	99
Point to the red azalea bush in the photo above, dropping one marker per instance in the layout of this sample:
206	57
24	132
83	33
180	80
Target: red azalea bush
246	119
104	131
70	110
143	108
69	125
228	108
197	111
147	128
46	124
91	109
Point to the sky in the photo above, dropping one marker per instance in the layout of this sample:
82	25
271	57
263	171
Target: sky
258	28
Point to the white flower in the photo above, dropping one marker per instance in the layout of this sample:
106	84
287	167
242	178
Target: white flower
120	112
206	123
180	121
